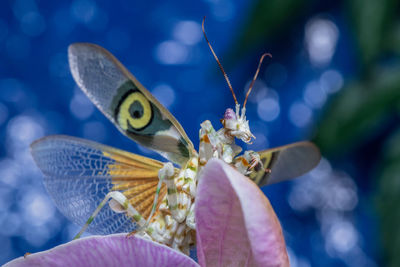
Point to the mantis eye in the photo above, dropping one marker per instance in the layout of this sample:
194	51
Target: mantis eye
229	114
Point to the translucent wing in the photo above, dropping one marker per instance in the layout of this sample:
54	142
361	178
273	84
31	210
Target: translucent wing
79	173
286	162
132	109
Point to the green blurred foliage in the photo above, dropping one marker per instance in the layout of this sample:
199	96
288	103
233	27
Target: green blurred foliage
369	99
353	117
372	96
267	20
366	103
372	23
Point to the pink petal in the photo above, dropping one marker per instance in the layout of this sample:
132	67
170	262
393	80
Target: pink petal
112	250
236	225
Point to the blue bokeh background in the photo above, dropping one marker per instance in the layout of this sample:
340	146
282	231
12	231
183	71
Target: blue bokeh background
326	216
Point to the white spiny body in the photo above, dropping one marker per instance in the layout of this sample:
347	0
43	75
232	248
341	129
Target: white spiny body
173	224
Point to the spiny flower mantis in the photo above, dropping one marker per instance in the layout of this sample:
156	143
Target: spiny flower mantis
146	197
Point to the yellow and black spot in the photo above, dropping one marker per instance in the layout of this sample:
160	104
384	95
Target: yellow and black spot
134	111
135	114
142	118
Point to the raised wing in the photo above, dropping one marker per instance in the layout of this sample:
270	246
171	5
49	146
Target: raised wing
132	109
79	173
286	162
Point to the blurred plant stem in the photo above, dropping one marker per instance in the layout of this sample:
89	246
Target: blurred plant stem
388	199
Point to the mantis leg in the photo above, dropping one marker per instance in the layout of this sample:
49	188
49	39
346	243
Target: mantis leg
190	178
216	144
162	229
187	179
190	220
153	209
118	203
208	142
179	236
247	162
175	200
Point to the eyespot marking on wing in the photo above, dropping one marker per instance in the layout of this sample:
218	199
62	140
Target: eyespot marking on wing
110	87
134	110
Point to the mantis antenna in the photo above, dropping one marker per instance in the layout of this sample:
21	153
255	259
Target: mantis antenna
219	63
255	77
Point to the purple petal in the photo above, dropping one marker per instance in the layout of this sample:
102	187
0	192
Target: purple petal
112	250
236	225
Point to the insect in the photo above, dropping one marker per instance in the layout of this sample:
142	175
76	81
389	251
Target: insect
149	198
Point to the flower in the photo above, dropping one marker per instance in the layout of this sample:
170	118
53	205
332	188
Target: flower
111	250
236	226
235	223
